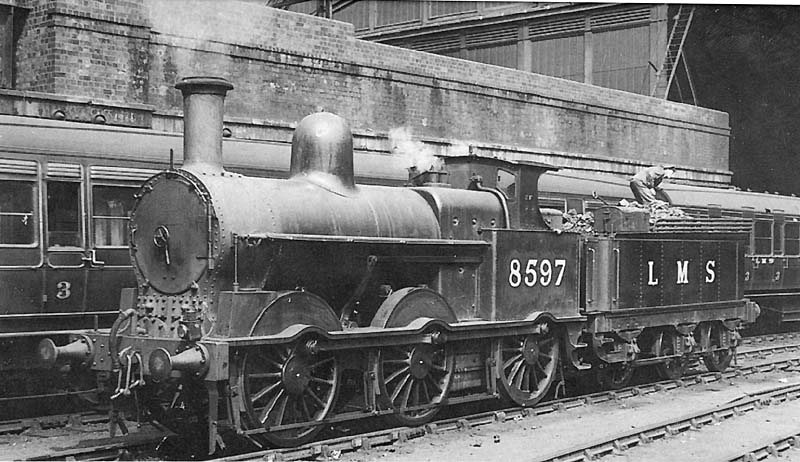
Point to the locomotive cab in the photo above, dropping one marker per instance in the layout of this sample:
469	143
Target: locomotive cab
517	181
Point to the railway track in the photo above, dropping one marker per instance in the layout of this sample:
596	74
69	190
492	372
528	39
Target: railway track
332	448
762	352
36	424
113	448
692	421
79	437
770	338
772	448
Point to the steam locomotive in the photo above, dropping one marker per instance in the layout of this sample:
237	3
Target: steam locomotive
276	307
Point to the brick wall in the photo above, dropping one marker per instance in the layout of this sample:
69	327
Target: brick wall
286	65
35	51
96	49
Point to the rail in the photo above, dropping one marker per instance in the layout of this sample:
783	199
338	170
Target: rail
628	439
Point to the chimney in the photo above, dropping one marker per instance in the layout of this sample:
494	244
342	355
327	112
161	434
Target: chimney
203	109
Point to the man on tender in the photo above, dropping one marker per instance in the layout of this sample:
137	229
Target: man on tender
646	184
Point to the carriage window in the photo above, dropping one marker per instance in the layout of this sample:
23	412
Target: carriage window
777	238
63	214
16	213
111	207
792	234
507	182
763	237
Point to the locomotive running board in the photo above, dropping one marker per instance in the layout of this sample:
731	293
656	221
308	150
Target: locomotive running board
422	330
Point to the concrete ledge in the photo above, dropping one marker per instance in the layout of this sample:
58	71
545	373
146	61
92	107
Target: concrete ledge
75	109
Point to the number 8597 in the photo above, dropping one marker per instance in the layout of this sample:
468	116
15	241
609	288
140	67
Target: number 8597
543	272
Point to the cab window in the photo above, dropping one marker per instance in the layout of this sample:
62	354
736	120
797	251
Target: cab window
63	214
17	225
507	182
111	209
763	237
792	238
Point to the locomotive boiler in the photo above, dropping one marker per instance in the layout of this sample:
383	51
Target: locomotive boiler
280	306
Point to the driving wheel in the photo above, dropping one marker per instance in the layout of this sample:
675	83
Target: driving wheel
414	380
526	365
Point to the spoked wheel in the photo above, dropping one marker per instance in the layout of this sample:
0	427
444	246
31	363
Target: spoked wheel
284	385
615	376
719	358
672	369
415	376
527	365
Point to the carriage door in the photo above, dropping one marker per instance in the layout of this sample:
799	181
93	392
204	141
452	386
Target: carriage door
111	201
65	242
21	269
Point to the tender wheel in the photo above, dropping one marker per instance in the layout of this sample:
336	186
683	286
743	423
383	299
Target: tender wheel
614	376
284	385
719	358
671	369
527	365
413	376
